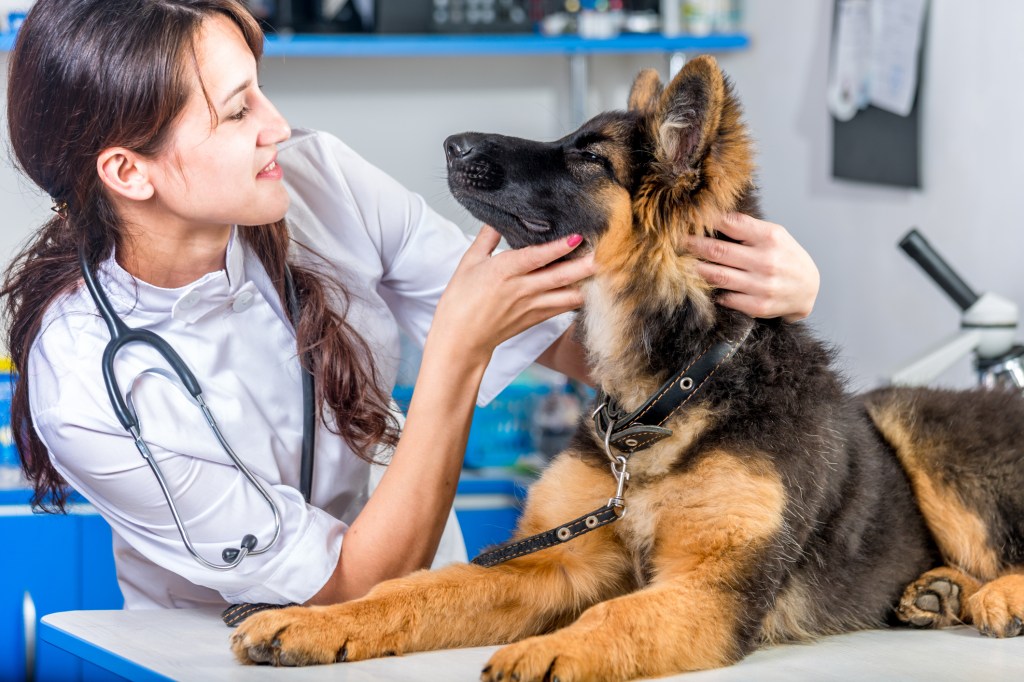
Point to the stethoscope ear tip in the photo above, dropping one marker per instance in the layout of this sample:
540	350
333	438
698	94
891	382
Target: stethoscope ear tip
249	543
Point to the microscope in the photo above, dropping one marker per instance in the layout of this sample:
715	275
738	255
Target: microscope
988	328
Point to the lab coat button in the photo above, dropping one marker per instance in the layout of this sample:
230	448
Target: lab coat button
243	302
189	300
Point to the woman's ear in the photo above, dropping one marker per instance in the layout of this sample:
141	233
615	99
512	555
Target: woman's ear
125	173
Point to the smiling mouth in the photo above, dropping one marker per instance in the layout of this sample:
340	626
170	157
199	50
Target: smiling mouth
269	167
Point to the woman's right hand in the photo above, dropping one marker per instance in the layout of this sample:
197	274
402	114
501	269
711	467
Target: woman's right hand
492	297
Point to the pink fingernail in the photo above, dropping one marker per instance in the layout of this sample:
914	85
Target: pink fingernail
575	240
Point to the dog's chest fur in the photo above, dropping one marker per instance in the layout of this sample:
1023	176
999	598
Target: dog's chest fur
649	488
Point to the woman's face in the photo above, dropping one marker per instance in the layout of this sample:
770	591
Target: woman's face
226	173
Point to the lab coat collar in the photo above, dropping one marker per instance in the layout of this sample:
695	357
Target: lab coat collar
213	291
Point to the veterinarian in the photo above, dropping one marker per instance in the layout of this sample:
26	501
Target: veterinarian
172	175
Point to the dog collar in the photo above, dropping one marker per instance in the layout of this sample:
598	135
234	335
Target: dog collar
644	426
639	429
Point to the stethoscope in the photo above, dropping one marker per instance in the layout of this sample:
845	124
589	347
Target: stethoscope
121	335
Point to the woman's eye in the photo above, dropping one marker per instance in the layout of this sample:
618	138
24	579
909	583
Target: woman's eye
242	113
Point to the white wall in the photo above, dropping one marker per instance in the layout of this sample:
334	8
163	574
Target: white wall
874	301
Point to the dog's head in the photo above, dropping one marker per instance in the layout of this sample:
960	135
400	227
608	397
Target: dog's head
632	182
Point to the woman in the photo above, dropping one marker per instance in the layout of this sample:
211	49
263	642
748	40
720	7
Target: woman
172	174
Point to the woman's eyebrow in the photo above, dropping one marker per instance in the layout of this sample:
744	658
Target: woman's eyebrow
240	88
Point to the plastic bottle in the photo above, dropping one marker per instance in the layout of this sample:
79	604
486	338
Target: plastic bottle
10	465
671	17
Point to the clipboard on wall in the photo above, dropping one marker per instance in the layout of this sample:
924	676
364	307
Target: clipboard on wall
876	145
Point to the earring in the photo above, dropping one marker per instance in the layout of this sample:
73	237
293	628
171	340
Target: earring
60	208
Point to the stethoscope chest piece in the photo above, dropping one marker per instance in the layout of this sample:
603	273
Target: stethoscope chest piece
180	376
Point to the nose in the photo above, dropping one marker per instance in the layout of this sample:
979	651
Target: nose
458	147
275	128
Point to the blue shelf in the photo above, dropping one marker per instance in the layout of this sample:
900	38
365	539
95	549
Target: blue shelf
305	45
483	45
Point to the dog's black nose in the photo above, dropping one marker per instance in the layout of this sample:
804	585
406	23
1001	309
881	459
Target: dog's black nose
457	147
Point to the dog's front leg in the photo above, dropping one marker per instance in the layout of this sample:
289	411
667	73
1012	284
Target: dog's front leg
460	605
714	532
666	628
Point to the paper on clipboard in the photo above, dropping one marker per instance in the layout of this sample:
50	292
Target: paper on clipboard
897	42
851	49
875	56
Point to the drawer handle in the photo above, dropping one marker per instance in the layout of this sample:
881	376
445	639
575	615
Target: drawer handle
28	615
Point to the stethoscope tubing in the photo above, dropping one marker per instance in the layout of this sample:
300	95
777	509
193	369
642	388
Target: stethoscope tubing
122	335
308	397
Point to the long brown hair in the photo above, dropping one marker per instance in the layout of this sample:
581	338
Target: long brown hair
86	75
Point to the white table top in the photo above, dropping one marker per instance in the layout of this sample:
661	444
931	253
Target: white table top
193	645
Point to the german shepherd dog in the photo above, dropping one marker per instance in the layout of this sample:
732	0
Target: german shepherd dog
769	505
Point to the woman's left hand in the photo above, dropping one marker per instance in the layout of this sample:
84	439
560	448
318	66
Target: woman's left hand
766	273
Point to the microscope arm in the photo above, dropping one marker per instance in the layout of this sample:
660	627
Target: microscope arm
938	359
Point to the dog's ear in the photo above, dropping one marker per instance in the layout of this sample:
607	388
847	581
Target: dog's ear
689	115
646	90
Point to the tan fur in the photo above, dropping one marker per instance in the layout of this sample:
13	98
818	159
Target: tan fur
960	534
466	605
644	238
787	621
797	617
725	172
995	605
659	459
699	526
624	256
646	91
705	515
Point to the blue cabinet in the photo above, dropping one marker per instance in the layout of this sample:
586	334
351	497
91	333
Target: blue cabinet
50	563
54	562
488	509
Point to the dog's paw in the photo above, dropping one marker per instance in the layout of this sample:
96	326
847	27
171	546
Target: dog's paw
936	599
549	658
930	604
997	609
300	635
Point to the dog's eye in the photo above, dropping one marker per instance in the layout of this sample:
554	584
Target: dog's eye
591	157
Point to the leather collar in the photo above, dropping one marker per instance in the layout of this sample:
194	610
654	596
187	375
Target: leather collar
644	426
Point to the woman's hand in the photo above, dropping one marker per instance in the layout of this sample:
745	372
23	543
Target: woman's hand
765	274
492	297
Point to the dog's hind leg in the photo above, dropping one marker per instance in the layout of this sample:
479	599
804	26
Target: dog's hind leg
937	599
947	596
461	605
961	452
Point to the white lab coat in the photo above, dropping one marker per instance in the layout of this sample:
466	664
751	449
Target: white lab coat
393	254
